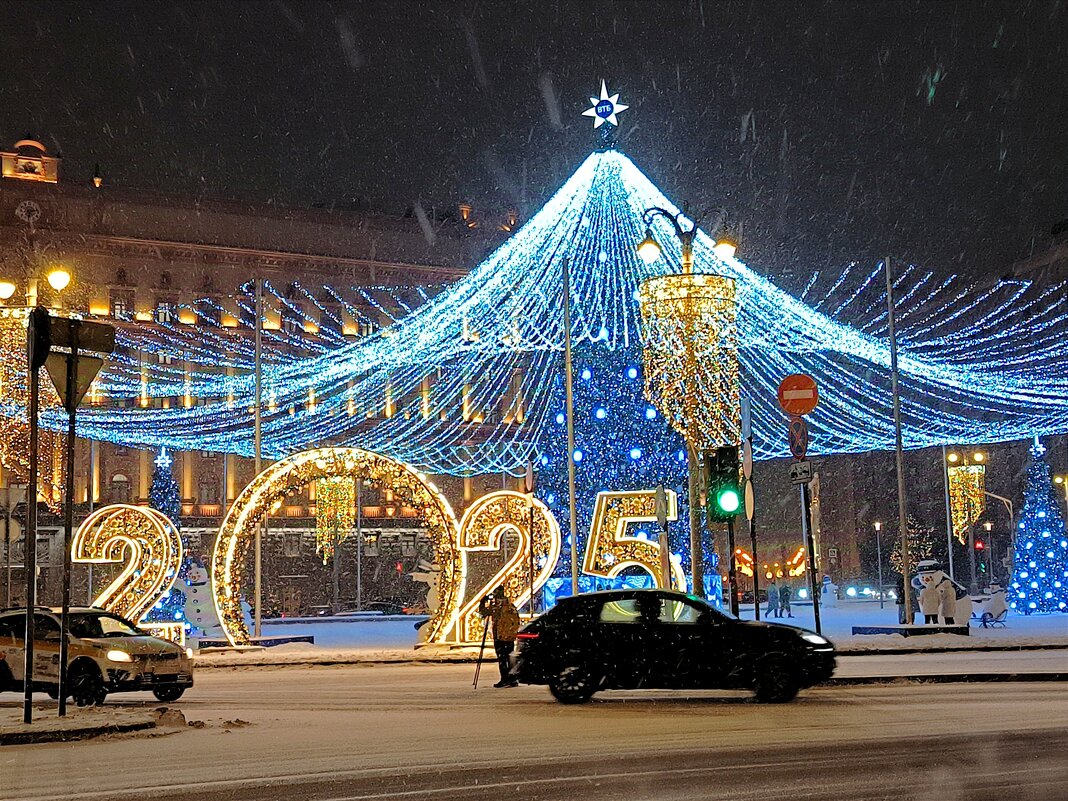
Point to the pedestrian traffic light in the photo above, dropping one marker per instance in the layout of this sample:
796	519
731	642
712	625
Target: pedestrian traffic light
724	488
979	545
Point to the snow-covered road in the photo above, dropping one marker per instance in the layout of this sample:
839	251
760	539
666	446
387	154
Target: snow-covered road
382	731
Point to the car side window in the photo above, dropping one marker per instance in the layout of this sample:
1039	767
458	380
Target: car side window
679	612
624	610
45	628
13	627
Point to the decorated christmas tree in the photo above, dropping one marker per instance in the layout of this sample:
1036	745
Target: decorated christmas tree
923	544
1040	577
163	496
621	443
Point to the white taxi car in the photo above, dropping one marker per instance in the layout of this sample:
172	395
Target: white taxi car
105	654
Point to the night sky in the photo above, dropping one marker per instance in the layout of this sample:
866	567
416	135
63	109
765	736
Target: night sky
936	132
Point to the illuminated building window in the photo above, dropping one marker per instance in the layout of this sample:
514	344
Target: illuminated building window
121	302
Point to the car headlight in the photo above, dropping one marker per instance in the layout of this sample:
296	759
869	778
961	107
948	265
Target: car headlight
815	639
189	653
119	656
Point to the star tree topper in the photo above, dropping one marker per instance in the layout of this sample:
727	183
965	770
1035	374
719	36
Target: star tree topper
604	108
163	460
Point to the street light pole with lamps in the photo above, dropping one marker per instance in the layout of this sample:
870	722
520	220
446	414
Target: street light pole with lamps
649	251
879	557
964	461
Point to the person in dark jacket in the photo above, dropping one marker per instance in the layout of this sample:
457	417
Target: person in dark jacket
505	618
784	600
773	600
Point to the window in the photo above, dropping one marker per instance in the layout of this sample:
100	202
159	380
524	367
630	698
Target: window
651	608
164	358
164	312
291	543
13	626
121	303
119	492
209	492
45	627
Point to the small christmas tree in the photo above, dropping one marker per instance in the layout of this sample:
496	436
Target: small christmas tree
163	497
923	544
1040	574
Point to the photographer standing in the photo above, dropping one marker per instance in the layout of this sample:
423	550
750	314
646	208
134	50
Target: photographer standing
505	627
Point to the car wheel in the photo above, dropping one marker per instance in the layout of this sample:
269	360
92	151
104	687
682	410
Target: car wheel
573	685
87	685
168	694
775	682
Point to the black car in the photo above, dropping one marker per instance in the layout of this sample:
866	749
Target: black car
632	639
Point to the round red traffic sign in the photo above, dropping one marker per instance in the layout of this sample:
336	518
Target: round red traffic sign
798	394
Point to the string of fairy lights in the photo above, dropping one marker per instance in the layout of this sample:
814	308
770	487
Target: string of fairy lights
460	382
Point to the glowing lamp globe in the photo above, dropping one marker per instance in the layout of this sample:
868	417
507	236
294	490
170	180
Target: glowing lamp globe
7	289
58	279
649	248
725	249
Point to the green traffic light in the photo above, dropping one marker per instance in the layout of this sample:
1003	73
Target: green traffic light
728	500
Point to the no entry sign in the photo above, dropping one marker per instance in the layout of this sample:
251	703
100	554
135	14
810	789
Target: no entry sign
798	394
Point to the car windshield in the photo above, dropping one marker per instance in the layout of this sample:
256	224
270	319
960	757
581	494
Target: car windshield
102	625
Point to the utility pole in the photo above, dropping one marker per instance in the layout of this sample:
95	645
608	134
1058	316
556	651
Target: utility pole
902	514
258	445
569	402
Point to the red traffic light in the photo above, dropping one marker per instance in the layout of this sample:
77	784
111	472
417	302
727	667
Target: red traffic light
979	545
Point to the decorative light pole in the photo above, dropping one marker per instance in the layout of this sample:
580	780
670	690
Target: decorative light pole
690	355
967	496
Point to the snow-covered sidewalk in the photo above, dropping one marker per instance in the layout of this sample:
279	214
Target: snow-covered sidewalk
393	639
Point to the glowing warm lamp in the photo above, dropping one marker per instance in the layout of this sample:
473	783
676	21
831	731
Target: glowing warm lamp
1058	480
725	249
878	525
649	248
978	456
59	279
7	289
953	458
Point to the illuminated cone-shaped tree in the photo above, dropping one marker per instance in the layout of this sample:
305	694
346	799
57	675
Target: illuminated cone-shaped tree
1040	577
163	496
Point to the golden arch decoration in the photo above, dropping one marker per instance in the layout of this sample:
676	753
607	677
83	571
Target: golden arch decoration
267	491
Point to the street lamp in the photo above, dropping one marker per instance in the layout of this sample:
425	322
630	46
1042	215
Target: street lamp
696	386
649	248
879	557
1063	481
7	289
965	461
990	551
59	279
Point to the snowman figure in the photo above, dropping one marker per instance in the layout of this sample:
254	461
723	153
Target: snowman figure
940	596
199	604
828	592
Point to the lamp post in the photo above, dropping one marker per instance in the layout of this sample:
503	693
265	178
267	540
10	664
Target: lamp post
965	461
674	305
879	557
1063	481
990	551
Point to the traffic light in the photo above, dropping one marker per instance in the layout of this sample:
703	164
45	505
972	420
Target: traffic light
979	545
724	488
39	341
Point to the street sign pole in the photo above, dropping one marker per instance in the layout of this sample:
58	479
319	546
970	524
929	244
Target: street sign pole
528	485
36	335
70	400
750	501
732	569
810	546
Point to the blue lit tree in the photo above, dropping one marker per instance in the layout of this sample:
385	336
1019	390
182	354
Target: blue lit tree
1040	580
621	443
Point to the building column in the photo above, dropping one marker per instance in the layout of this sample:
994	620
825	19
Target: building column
144	474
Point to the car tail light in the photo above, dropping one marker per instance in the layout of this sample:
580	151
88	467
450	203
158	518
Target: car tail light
527	635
